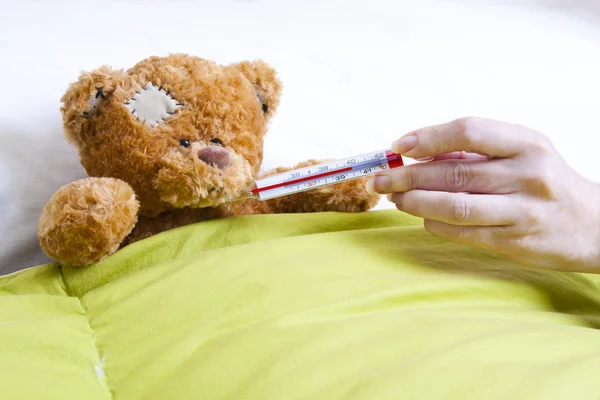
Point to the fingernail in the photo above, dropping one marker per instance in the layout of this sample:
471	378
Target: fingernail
379	184
390	197
404	144
370	186
424	159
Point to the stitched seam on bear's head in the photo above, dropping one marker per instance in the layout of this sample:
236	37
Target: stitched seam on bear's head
152	104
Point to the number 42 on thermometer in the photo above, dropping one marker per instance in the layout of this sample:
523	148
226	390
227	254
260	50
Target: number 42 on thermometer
325	174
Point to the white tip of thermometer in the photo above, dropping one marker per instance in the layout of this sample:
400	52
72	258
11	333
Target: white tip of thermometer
325	174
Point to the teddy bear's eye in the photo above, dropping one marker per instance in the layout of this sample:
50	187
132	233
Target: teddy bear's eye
184	142
217	141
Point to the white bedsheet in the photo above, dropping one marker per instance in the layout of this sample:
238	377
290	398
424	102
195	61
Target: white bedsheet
357	74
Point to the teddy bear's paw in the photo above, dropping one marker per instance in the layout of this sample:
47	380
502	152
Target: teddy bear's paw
348	196
351	196
87	220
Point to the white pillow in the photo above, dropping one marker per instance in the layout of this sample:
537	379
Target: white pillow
356	73
32	167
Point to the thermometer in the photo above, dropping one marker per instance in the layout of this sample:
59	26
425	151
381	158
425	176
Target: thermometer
320	175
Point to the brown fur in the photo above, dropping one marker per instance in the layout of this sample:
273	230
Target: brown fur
144	181
88	219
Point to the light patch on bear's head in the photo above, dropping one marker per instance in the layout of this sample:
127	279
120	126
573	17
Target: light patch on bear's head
152	105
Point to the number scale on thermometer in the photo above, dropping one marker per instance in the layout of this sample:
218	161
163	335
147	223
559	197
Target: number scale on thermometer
329	173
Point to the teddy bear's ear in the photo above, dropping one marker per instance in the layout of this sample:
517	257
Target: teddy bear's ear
265	81
83	99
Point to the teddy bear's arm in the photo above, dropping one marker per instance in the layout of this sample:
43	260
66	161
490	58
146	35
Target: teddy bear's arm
86	221
349	196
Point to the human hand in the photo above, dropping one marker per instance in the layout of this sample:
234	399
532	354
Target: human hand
499	186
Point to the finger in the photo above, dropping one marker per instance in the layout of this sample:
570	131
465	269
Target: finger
476	135
460	155
458	208
489	176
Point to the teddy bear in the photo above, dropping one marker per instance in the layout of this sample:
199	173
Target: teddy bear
167	143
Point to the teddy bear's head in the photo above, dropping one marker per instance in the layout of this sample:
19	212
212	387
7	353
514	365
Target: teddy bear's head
181	130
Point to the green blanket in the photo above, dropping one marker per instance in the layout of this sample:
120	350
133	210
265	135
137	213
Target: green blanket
318	306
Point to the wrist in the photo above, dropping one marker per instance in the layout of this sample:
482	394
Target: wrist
593	263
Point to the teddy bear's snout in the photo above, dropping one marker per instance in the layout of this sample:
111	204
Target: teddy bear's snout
216	156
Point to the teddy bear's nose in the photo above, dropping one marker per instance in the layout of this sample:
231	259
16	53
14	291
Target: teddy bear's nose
217	156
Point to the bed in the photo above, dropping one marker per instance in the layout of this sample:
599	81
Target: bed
316	306
325	306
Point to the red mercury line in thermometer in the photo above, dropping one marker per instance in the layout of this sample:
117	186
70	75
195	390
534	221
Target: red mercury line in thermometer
394	160
300	180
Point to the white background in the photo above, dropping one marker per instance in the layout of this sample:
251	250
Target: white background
357	74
